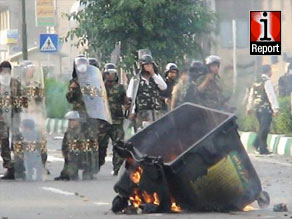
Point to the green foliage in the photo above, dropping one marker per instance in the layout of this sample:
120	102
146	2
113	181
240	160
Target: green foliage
171	29
56	103
282	124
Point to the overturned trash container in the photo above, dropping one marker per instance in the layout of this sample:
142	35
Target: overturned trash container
205	164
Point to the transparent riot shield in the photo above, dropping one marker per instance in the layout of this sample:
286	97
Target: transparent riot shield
29	141
142	52
94	94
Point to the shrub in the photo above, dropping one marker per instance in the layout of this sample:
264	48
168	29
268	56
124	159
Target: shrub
56	103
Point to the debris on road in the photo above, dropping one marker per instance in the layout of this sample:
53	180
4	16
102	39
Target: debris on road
280	207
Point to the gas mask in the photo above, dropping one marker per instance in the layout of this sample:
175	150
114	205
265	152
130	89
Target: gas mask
81	64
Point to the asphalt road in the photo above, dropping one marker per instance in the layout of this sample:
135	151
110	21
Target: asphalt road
92	199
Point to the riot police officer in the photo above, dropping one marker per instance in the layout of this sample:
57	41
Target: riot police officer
79	147
11	104
171	77
144	91
262	99
209	89
117	98
88	96
186	89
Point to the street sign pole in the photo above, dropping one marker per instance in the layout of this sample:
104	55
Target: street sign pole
48	55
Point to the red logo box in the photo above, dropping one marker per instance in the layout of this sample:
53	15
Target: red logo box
265	32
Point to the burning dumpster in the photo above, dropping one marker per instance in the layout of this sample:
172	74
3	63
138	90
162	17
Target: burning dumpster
194	161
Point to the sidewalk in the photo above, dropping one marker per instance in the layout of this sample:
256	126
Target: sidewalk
278	144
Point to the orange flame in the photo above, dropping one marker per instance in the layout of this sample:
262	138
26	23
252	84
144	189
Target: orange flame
249	208
147	198
175	207
151	199
135	199
156	199
136	176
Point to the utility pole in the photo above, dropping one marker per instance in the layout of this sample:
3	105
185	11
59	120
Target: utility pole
234	56
24	34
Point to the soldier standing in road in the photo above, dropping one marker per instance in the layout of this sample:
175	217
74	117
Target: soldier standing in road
88	96
11	104
263	100
171	76
117	99
147	104
186	89
78	148
210	92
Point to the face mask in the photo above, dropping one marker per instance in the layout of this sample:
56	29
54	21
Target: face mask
5	79
82	68
5	71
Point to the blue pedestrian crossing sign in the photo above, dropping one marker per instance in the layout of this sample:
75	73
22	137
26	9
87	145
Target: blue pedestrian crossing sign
49	42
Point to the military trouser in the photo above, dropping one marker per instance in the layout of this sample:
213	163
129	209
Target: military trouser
85	161
6	153
100	128
80	154
116	133
146	117
264	117
5	148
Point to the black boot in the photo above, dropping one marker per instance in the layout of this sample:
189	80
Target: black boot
9	174
62	177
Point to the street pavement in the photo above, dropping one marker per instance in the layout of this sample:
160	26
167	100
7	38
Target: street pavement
92	199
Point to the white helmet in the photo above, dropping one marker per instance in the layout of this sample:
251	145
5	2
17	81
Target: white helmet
171	66
72	115
212	59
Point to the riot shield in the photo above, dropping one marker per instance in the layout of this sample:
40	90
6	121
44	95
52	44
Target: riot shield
28	145
94	94
32	81
29	142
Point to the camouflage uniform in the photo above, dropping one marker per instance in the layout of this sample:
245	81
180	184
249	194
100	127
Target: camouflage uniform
148	102
263	111
184	91
212	97
15	93
97	127
79	149
116	97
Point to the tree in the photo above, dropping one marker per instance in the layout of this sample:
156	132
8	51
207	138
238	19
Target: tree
171	29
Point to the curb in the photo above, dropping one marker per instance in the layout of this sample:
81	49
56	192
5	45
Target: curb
277	144
56	126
